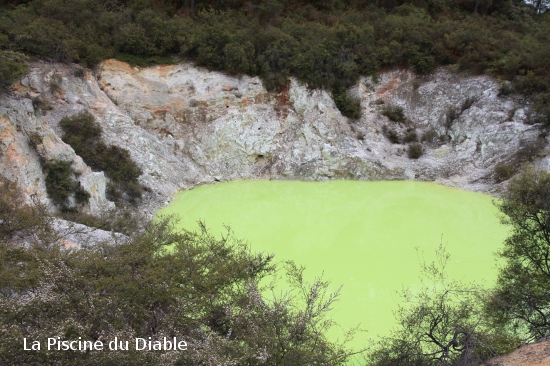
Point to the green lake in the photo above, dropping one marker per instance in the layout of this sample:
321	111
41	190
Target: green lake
362	235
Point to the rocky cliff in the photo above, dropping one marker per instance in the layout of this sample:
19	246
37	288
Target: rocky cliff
186	126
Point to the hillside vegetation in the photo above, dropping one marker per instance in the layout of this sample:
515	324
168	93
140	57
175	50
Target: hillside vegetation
154	282
326	44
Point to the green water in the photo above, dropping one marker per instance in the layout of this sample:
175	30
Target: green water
362	235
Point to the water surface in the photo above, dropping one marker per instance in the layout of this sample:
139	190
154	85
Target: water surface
363	235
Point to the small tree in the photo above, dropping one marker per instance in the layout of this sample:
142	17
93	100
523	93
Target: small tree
522	296
440	324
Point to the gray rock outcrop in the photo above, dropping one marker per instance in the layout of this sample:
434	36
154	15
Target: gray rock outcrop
186	126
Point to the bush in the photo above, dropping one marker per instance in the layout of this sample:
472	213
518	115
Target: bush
442	323
15	216
522	296
391	134
429	136
83	133
162	282
410	136
504	171
414	151
61	185
394	113
348	106
41	105
12	66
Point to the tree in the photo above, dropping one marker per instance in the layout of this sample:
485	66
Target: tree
157	282
442	323
522	295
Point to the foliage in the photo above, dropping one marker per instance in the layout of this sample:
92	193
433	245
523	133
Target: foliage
504	171
410	135
41	105
61	185
442	323
349	106
526	153
414	151
161	282
15	216
83	133
522	295
12	65
324	44
391	134
394	113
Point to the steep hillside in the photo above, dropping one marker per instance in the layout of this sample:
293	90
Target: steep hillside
184	126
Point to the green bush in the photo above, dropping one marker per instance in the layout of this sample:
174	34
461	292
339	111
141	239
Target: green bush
429	136
61	185
163	282
348	106
324	44
414	151
504	171
521	300
41	105
394	113
391	134
410	136
441	323
83	133
15	216
12	66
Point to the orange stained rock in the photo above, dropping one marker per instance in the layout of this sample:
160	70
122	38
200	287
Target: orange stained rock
12	154
118	65
389	86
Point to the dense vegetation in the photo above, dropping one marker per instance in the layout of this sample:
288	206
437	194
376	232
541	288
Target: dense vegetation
62	185
207	289
448	323
83	133
327	44
157	282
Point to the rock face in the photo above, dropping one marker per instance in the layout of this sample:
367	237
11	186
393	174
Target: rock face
185	126
534	354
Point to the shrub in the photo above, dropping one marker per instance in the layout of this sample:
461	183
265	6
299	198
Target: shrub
61	185
162	282
450	116
429	136
441	323
348	106
79	72
504	171
41	105
83	133
521	300
414	151
12	66
505	89
394	113
15	216
410	136
391	134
